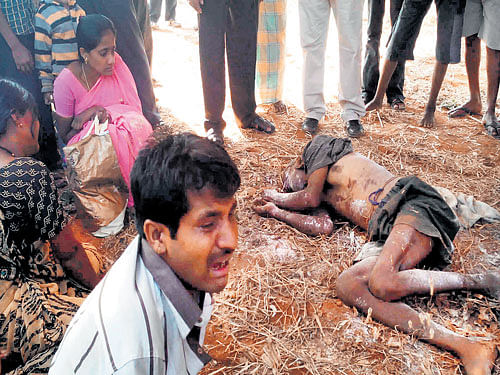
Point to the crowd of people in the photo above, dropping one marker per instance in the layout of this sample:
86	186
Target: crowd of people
90	61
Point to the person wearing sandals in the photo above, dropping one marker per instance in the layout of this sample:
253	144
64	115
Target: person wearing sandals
314	17
394	93
480	22
45	272
230	25
271	40
402	43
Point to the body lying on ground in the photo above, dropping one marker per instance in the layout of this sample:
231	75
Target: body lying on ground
412	220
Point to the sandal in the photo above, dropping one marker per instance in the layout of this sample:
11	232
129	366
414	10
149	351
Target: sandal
260	124
461	112
398	104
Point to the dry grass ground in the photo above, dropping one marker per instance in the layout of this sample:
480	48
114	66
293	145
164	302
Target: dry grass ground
279	313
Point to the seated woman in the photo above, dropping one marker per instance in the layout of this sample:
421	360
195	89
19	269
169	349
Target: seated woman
37	300
101	84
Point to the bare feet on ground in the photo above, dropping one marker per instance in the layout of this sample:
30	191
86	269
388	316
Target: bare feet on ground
489	118
428	121
375	104
472	106
478	358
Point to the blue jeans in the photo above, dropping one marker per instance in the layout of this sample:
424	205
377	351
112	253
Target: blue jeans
376	9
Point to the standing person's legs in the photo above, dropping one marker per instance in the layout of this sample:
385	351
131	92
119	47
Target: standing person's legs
395	96
144	21
212	29
401	44
371	72
349	16
241	41
170	6
155	10
314	16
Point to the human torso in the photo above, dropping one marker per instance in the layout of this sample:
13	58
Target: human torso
350	182
20	15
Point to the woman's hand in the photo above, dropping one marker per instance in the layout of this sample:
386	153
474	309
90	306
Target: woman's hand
102	114
89	115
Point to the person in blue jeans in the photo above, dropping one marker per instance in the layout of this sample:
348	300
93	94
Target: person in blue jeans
155	12
394	92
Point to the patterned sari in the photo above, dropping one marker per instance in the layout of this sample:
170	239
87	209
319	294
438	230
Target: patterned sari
37	300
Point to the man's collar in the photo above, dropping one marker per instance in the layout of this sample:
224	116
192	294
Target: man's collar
170	285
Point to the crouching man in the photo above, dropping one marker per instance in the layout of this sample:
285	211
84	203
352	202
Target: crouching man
408	215
149	314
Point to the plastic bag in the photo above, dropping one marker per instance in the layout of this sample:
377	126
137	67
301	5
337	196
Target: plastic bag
95	178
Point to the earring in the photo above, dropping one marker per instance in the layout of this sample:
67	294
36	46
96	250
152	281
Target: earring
86	60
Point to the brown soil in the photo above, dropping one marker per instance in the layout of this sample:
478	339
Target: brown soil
279	313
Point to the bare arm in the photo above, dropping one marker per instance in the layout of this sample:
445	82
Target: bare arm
69	126
22	57
310	197
73	257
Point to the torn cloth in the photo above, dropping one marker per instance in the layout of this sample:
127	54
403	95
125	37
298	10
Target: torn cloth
323	151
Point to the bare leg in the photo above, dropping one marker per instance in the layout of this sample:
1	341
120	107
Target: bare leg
394	276
492	70
352	288
437	81
310	197
472	62
317	224
387	72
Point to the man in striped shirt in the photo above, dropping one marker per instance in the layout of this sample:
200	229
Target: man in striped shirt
149	314
55	40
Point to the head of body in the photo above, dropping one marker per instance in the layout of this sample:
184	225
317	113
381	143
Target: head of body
294	176
183	189
96	38
19	126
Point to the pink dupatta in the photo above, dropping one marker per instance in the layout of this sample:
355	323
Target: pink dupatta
128	128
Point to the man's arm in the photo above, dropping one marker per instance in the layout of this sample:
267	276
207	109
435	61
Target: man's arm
21	55
310	197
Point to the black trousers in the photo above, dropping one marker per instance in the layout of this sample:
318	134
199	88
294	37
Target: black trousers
376	9
228	25
48	153
130	45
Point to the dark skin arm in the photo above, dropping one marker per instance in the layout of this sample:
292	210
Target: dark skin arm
22	57
69	126
73	257
310	197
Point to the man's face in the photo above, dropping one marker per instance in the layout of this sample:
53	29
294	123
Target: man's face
205	241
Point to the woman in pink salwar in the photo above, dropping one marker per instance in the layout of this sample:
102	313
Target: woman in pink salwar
100	84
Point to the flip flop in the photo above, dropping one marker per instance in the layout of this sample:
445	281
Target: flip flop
461	112
493	130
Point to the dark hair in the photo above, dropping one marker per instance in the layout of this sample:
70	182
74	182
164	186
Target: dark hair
90	31
14	99
164	172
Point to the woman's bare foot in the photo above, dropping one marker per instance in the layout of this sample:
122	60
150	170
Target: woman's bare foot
478	358
428	120
375	104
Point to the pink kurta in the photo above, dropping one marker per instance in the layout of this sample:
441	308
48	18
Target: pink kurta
128	128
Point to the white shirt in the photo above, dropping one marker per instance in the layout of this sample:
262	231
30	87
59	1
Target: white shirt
139	319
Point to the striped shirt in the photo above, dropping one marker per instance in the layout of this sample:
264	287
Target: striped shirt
55	39
139	319
20	15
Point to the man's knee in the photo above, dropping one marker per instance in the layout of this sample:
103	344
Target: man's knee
351	284
384	286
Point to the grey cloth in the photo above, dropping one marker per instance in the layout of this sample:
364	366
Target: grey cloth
323	151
